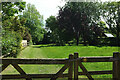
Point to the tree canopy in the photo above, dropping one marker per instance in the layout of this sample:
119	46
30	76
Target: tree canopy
75	20
34	21
9	9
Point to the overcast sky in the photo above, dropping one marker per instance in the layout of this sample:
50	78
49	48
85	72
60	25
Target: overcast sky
47	7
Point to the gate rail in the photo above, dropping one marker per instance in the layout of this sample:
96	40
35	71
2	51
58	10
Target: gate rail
68	64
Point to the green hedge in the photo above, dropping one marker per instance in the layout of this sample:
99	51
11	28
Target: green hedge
11	43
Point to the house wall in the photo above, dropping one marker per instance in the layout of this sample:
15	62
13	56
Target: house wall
24	43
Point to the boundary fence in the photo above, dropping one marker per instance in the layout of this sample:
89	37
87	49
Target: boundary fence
73	72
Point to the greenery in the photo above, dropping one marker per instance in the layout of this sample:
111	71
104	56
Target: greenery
49	51
82	23
9	9
76	20
17	27
75	23
111	15
111	11
11	43
53	31
34	21
13	29
76	27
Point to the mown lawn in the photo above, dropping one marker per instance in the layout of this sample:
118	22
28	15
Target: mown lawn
47	51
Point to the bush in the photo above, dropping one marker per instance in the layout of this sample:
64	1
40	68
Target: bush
11	43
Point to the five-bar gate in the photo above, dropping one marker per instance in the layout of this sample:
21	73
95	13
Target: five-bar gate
72	64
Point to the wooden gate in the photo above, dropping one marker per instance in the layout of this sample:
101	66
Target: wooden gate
68	64
78	63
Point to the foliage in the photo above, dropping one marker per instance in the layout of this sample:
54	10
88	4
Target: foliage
53	31
17	25
13	28
46	38
111	12
9	9
77	20
11	43
10	21
34	21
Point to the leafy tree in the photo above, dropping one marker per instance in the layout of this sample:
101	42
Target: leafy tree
53	31
17	25
34	21
12	22
111	14
13	28
9	9
75	20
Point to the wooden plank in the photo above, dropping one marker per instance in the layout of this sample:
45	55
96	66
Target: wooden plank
70	69
85	71
56	61
33	61
3	67
20	70
75	67
96	72
59	73
116	66
18	76
97	59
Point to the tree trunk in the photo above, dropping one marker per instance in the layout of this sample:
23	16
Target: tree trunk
77	39
85	42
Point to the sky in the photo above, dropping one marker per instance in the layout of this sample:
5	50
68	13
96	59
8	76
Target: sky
47	7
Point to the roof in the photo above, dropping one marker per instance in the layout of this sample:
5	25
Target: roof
108	35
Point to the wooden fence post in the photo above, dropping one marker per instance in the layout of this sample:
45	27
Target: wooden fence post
70	70
75	67
116	66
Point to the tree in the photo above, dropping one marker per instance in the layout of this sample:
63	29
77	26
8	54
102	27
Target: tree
17	25
9	9
111	14
53	31
13	28
34	21
75	20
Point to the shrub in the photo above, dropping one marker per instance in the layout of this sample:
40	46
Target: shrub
11	43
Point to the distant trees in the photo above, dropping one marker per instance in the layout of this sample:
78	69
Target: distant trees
111	15
34	22
53	30
83	21
75	21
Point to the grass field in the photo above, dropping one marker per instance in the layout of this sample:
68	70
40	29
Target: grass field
47	51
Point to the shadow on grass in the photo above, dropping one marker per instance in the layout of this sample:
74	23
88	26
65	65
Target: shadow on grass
46	45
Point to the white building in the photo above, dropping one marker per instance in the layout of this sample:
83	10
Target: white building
24	43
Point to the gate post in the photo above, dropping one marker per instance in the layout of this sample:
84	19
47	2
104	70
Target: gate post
70	69
116	66
75	66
